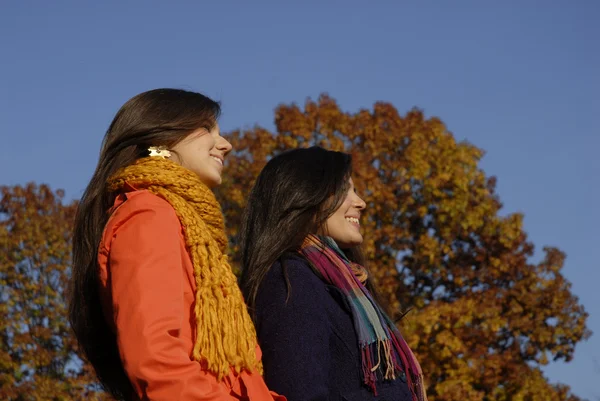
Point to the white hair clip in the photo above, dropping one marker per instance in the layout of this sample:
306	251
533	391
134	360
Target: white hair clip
159	151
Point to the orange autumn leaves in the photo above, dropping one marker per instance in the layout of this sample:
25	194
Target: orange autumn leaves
38	353
485	317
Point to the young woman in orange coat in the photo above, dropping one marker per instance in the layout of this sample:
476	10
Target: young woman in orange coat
153	301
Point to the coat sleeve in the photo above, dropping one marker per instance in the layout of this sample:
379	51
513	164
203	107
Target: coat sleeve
294	332
147	296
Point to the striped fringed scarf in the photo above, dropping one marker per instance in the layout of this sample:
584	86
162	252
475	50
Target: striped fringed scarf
384	351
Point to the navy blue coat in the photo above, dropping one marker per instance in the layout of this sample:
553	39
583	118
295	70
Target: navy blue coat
310	348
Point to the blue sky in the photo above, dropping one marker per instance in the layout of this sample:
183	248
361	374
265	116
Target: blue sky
518	79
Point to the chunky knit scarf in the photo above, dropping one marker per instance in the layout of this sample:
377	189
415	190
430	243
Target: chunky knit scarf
225	337
384	352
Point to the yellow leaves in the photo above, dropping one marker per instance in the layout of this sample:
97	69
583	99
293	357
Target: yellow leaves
36	229
536	387
449	343
427	247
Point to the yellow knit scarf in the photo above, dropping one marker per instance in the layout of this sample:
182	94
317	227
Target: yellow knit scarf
225	337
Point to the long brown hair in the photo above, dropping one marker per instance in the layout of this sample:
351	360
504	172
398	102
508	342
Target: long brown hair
294	195
160	117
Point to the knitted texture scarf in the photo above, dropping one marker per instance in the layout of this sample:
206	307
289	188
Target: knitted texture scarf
225	337
384	352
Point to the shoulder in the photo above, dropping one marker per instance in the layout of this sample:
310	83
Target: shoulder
143	210
294	269
144	203
144	200
290	283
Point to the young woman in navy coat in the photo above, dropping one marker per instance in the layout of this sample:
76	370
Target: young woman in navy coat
323	334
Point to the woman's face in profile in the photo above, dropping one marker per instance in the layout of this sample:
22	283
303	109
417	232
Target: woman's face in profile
344	224
203	153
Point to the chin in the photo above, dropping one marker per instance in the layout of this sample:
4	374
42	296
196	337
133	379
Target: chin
213	184
349	243
357	242
211	181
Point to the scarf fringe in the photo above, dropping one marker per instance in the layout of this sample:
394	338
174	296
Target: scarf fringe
384	351
371	356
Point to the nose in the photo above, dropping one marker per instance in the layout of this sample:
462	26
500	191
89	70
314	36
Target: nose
223	145
359	203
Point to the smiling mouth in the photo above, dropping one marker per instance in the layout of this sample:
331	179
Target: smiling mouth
220	161
353	220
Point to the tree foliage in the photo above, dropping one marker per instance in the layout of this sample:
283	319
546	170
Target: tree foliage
38	359
485	317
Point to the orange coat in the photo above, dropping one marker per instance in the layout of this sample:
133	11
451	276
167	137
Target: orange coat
147	290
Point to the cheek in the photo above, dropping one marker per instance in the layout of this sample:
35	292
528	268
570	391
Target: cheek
210	142
205	143
341	225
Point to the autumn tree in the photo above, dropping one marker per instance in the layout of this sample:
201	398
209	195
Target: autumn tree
484	316
38	359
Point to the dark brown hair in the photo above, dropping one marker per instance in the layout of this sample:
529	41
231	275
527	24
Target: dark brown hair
160	117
